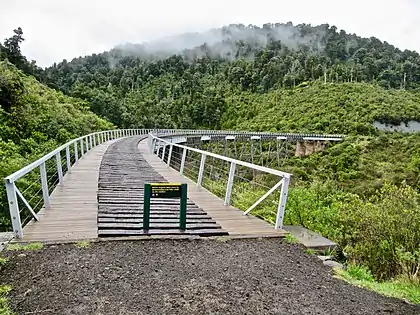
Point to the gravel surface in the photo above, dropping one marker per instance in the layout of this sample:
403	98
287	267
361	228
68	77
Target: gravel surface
252	276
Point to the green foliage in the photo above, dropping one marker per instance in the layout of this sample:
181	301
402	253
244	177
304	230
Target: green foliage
30	246
359	273
196	89
82	244
310	251
401	288
384	231
3	261
221	239
34	120
291	239
4	304
346	108
381	232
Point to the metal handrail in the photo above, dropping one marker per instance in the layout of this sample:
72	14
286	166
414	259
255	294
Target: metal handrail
155	142
225	158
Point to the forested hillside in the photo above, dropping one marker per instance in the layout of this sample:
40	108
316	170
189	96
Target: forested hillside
34	120
236	58
362	193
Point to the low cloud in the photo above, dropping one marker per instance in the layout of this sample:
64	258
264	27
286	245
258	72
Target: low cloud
55	30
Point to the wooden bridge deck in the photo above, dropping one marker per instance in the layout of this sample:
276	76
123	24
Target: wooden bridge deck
74	206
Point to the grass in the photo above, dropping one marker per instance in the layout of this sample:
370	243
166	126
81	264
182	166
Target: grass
310	251
4	303
3	261
362	277
30	246
221	239
291	239
82	244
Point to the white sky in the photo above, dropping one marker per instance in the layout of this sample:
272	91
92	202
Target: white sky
58	29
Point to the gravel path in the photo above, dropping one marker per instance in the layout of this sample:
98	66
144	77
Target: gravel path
254	276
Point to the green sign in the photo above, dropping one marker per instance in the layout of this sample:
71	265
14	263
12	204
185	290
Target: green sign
165	190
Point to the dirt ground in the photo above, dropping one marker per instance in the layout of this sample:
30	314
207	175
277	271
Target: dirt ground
253	276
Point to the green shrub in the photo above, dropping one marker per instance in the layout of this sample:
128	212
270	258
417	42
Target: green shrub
4	303
360	273
401	288
384	231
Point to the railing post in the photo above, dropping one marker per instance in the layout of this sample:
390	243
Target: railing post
81	148
44	184
87	144
201	171
230	183
76	154
170	154
163	153
282	203
59	168
68	158
94	139
14	209
184	156
90	141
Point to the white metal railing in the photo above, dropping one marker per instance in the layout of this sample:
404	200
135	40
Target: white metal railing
73	151
68	155
165	148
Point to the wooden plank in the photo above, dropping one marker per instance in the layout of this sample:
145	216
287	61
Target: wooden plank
154	216
212	232
165	225
152	220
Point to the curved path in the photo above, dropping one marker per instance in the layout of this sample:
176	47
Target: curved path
103	196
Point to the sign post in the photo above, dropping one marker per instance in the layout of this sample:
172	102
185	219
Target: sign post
165	190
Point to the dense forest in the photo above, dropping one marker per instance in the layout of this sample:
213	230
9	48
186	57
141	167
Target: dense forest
278	77
34	119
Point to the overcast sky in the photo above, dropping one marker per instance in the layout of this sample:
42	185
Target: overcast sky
58	29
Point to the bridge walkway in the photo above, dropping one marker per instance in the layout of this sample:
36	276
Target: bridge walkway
74	213
74	206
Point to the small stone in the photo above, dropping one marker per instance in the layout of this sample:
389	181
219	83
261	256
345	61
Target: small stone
333	264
